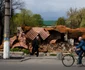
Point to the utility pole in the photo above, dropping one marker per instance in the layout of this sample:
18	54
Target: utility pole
6	50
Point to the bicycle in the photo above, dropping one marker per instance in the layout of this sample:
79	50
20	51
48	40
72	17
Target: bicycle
69	59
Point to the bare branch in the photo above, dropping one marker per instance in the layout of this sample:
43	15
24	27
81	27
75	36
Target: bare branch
17	4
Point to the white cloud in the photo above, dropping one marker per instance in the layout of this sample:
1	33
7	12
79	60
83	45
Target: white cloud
51	6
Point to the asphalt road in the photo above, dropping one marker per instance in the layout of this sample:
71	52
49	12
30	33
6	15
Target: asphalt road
36	64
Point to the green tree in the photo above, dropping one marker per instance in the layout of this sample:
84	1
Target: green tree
73	17
61	21
82	13
82	23
76	18
25	18
20	19
38	20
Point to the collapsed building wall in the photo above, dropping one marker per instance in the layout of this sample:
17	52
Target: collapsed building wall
54	35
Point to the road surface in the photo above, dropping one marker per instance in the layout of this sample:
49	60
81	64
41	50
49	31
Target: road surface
37	64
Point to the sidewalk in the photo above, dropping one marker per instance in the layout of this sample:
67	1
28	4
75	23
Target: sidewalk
20	58
24	58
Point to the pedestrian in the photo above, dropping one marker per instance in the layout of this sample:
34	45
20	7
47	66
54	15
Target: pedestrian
80	49
35	45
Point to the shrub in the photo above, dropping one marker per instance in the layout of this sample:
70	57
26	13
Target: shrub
53	54
16	49
26	51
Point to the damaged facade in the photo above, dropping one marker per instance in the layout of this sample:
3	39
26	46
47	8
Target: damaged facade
51	38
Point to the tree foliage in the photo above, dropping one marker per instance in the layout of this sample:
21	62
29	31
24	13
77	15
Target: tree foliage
38	20
61	21
25	18
76	18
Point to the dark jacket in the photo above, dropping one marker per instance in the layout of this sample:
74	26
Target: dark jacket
35	43
81	45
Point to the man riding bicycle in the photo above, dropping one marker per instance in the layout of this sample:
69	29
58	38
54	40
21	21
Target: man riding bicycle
80	49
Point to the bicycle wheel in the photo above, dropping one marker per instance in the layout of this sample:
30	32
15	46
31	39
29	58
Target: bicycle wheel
68	60
83	60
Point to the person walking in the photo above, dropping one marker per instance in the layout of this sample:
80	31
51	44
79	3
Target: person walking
35	45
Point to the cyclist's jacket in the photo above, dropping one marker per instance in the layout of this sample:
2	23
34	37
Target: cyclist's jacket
81	45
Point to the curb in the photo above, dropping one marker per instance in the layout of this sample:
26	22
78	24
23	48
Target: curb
12	59
34	57
21	59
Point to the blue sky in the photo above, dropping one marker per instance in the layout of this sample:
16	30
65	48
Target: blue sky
53	9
